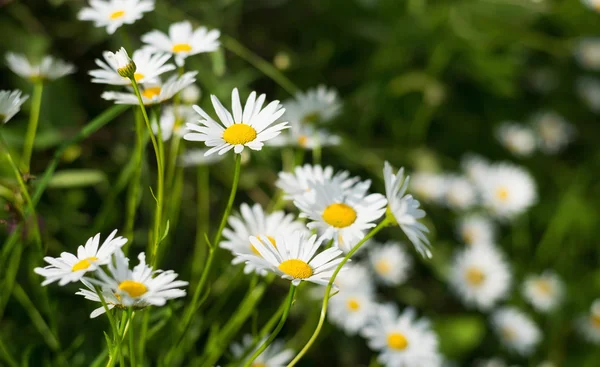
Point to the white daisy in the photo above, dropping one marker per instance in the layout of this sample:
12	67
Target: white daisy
273	356
141	286
516	330
247	127
294	257
48	69
351	310
70	268
255	222
112	14
427	186
305	178
306	137
403	340
480	276
10	104
544	291
475	229
172	119
154	93
459	193
191	94
517	138
405	209
390	262
354	277
554	132
112	300
183	41
589	324
148	67
592	4
198	157
475	167
587	53
589	90
315	105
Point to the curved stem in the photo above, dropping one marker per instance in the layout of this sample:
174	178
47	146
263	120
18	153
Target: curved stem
131	338
36	105
134	184
315	334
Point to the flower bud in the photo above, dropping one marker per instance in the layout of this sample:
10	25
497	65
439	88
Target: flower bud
125	65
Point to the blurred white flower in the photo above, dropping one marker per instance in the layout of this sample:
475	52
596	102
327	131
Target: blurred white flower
516	330
355	277
475	167
10	104
587	53
305	178
589	324
111	299
589	90
427	186
517	138
148	67
592	4
48	69
172	120
390	262
154	93
273	356
544	292
191	94
475	229
112	14
554	132
305	137
313	106
351	310
460	193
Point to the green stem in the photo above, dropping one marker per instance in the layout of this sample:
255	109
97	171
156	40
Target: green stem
134	184
36	318
8	358
36	105
202	206
131	338
115	330
326	297
316	153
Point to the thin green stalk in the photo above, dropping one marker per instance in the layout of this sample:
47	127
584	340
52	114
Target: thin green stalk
8	358
131	337
36	318
134	184
115	330
36	105
327	295
202	215
316	153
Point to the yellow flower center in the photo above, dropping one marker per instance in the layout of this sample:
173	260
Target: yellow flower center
151	92
544	286
295	268
468	236
339	215
302	140
382	267
117	14
132	288
271	239
397	341
596	321
353	304
258	364
138	76
182	47
475	276
311	117
508	333
239	134
84	264
502	194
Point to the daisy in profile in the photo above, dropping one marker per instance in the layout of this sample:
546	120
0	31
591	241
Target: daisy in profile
588	89
427	186
592	4
248	127
475	229
475	167
148	67
351	310
112	14
110	298
516	330
554	132
172	120
253	221
518	139
587	53
48	69
182	41
295	258
589	324
313	106
305	178
274	356
404	209
390	262
198	157
480	276
508	190
544	291
154	93
403	340
10	104
141	286
71	268
459	193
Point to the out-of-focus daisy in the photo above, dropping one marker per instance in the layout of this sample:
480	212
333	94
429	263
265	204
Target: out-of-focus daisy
350	310
71	268
10	104
154	93
305	178
554	132
427	186
589	324
273	356
589	90
141	286
190	94
48	69
342	214
313	106
172	120
517	138
476	229
255	222
183	41
508	190
459	193
480	276
390	262
112	300
112	14
355	277
294	257
404	209
588	53
543	80
148	67
247	127
475	167
544	291
198	157
403	340
306	137
592	4
516	330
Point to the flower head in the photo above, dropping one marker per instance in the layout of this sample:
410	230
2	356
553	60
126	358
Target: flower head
589	90
592	4
48	69
315	105
427	186
475	229
144	66
306	178
587	53
554	132
172	119
112	299
306	137
10	104
274	356
589	324
544	291
516	330
518	139
459	193
351	310
390	262
112	14
154	93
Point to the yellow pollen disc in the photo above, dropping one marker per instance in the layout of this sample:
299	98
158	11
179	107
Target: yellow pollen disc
258	364
475	276
508	333
138	76
397	341
118	14
295	268
151	92
182	47
302	140
239	134
339	215
502	194
544	286
84	264
271	239
353	304
132	288
468	236
382	267
596	321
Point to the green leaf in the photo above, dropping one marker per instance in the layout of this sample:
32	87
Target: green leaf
76	178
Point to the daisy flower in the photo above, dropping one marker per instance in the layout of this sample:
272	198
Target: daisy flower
517	138
112	14
306	137
154	93
141	286
70	268
390	262
476	229
475	167
183	41
351	310
459	193
198	157
404	209
589	324
355	277
315	105
508	190
480	276
592	4
255	222
305	178
427	186
247	127
554	132
516	330
544	291
172	119
10	104
273	356
48	69
190	94
148	67
589	90
294	257
111	299
587	53
403	340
